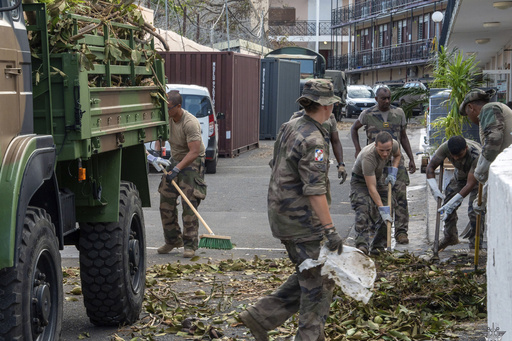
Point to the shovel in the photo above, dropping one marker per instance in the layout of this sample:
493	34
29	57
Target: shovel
478	223
389	223
438	216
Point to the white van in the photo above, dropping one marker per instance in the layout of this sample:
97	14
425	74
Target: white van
197	101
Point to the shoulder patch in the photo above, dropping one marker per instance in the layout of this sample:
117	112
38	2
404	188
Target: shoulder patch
319	155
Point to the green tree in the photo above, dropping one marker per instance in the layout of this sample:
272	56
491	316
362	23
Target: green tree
460	75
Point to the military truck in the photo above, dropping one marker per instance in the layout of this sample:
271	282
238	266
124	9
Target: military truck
73	168
312	65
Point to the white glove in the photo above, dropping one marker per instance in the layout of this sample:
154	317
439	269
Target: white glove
434	188
482	169
385	213
482	208
158	162
451	205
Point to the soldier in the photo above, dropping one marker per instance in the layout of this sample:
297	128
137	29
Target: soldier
463	154
385	117
495	121
368	192
298	211
188	165
332	127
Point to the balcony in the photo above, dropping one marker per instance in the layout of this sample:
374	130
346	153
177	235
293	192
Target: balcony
300	28
409	53
370	9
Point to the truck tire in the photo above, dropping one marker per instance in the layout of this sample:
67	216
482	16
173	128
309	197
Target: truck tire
113	263
31	304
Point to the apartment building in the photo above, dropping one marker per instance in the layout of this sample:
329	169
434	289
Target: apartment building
295	22
388	40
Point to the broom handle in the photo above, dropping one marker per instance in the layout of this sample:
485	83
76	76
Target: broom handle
478	223
389	223
184	197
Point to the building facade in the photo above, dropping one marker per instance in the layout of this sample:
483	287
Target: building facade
388	40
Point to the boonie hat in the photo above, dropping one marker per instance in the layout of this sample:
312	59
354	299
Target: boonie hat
474	95
320	91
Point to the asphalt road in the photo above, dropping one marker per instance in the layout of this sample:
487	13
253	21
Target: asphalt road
235	206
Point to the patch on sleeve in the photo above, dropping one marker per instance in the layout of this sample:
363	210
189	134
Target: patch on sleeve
319	155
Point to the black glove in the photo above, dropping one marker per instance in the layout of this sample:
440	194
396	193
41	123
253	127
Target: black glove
334	241
342	173
170	176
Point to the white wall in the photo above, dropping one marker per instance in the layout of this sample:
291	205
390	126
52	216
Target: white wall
499	244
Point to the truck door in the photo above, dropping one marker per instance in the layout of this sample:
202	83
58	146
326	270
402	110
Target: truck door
15	78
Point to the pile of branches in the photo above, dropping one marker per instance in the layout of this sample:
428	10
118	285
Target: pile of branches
412	300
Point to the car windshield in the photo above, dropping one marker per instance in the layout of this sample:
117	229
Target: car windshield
197	105
415	85
360	93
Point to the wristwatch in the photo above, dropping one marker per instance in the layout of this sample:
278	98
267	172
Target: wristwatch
340	164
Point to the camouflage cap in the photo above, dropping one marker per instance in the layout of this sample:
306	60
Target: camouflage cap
474	95
320	91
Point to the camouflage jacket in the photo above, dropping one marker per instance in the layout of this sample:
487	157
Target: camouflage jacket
465	165
373	121
300	166
495	128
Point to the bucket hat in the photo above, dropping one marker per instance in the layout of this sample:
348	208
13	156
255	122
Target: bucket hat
320	91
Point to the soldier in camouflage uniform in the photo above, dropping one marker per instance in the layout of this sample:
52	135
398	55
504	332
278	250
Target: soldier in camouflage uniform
495	121
368	191
463	154
332	127
385	117
188	165
298	211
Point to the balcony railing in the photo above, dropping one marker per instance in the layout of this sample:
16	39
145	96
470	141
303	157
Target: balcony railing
300	28
362	10
389	55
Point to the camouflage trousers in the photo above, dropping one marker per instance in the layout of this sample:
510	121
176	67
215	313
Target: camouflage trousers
371	230
400	206
450	224
191	182
306	292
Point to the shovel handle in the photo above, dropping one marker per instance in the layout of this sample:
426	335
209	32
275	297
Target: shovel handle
478	223
438	215
184	197
390	190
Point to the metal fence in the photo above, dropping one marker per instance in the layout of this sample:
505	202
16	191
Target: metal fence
300	28
397	54
366	9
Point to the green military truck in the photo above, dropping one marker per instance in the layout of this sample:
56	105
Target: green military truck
312	65
73	167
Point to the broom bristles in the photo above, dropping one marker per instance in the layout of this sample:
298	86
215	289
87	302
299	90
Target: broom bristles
209	241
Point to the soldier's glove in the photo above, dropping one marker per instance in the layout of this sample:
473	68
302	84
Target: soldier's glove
385	213
342	173
172	175
158	162
482	169
334	241
391	177
482	208
451	206
434	188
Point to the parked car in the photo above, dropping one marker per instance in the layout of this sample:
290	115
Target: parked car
197	101
410	99
359	98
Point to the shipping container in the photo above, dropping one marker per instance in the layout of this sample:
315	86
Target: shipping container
234	82
280	88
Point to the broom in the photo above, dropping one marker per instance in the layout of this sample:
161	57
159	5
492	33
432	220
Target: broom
207	241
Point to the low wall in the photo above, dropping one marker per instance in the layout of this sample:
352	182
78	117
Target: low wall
499	244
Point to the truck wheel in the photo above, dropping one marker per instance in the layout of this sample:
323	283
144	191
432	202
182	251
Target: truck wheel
31	304
113	263
211	166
